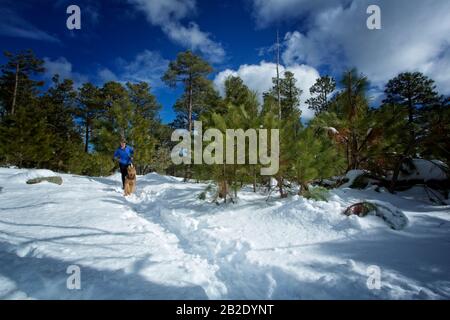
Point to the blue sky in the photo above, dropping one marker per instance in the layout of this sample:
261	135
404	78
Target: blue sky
133	40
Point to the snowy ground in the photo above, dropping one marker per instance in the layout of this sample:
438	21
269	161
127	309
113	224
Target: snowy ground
164	243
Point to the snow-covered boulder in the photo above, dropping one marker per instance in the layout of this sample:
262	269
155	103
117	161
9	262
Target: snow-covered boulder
351	176
55	179
394	218
425	170
27	175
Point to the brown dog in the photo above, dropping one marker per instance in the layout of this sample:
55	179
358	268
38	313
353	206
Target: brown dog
130	180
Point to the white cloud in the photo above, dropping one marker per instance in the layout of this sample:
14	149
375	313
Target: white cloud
160	12
259	78
148	66
193	38
63	68
106	75
414	37
266	12
439	70
12	25
168	14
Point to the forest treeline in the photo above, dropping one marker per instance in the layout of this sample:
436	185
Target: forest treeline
67	129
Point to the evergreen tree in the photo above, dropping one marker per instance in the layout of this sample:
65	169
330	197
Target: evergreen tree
241	112
349	120
25	139
314	157
24	134
352	103
204	98
437	142
58	109
190	70
127	112
289	96
289	124
17	86
236	92
415	93
320	92
90	103
143	122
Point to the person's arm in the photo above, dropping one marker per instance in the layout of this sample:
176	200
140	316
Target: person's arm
116	155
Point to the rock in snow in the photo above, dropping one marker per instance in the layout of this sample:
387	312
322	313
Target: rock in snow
424	170
55	180
391	215
165	243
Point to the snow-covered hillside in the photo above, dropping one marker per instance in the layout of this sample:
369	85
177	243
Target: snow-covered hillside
165	243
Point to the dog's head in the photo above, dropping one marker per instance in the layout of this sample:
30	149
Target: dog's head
131	172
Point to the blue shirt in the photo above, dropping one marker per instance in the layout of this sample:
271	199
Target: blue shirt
124	155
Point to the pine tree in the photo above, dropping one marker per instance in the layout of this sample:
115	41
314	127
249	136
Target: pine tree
352	103
17	86
58	109
24	135
414	92
437	141
204	99
129	112
289	124
240	112
90	100
314	157
190	70
289	96
349	120
320	92
112	121
143	121
25	139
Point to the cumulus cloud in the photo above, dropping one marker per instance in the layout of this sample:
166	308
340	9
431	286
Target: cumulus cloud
259	78
12	25
414	36
168	14
195	39
106	75
147	66
161	11
63	68
439	70
267	12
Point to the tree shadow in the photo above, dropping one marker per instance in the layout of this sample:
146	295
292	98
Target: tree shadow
45	278
404	262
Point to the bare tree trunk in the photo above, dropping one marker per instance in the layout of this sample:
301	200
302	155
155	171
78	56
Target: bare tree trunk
280	180
187	174
190	107
16	85
86	146
278	77
398	166
347	154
